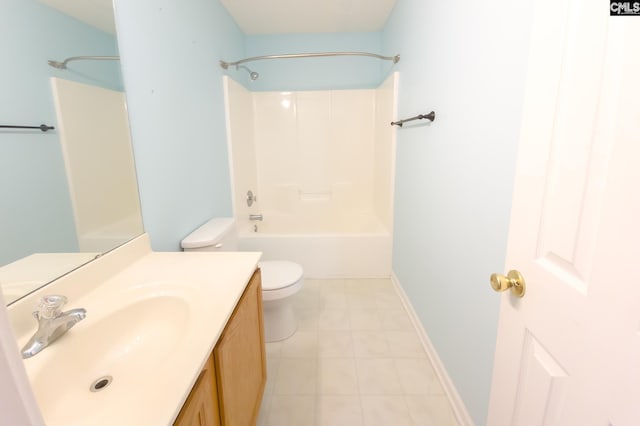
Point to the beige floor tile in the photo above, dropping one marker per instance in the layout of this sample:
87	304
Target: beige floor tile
377	377
296	376
333	300
337	376
265	408
404	344
385	411
292	410
394	320
432	410
335	344
362	300
307	320
417	376
354	360
307	299
334	319
272	372
302	344
369	284
388	299
339	411
273	349
370	344
365	319
336	286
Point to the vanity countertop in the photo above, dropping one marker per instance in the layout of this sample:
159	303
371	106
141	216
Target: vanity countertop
151	325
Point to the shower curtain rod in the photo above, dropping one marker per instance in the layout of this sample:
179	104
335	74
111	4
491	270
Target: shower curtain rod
226	65
63	65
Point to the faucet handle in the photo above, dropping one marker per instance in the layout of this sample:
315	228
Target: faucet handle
50	306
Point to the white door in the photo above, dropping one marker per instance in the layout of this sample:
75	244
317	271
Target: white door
568	352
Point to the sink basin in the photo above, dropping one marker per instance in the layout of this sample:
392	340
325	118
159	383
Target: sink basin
129	345
152	320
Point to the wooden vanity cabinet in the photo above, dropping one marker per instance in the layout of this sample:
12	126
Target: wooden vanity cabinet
201	407
240	360
237	369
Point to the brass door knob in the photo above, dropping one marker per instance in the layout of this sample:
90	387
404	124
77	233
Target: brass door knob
513	280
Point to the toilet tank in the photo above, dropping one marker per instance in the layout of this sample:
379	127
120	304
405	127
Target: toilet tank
218	234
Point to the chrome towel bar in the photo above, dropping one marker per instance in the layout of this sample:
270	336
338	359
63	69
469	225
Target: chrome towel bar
431	116
42	127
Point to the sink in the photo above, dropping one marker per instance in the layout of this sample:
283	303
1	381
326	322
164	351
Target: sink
129	345
152	320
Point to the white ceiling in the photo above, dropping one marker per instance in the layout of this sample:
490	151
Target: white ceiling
98	13
309	16
263	16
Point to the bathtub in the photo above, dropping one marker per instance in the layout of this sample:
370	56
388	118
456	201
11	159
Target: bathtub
338	246
111	236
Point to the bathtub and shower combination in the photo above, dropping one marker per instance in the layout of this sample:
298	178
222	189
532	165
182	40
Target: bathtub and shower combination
321	164
326	247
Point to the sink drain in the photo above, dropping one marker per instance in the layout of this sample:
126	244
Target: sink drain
100	383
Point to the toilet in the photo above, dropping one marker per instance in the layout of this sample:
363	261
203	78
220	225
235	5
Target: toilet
281	279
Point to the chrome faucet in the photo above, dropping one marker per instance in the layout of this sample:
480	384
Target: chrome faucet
52	323
255	216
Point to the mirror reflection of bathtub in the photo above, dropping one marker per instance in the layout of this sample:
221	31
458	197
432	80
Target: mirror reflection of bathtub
96	146
52	207
94	135
32	272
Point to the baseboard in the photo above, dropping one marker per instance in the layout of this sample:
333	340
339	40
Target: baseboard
459	409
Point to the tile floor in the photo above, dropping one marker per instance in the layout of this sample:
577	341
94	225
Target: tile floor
354	360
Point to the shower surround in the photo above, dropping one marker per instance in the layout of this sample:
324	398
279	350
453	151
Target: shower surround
321	165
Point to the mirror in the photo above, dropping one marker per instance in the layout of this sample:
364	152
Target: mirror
69	194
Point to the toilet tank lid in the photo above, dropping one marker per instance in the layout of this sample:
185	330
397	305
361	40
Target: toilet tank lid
208	234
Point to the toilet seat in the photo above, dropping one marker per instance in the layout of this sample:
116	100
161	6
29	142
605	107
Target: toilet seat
280	278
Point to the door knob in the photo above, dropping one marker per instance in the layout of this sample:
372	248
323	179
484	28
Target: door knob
513	280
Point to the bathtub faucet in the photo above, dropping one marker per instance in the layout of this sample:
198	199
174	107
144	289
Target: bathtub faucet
255	216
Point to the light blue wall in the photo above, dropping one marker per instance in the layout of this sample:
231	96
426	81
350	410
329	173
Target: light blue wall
312	73
454	178
465	60
35	206
170	51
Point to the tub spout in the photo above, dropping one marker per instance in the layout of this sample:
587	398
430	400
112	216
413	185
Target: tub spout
255	216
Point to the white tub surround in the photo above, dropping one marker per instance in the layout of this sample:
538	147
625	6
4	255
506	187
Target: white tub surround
325	246
321	164
163	311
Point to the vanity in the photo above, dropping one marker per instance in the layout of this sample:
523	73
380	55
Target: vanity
229	389
168	338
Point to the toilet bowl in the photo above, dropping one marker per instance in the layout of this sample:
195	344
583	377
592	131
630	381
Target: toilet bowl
281	279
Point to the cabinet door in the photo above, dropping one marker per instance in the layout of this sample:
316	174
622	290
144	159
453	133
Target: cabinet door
240	360
201	407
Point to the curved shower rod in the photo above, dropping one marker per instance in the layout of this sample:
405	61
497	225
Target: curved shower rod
225	65
63	65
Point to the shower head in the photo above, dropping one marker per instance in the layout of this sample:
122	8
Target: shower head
56	64
252	74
